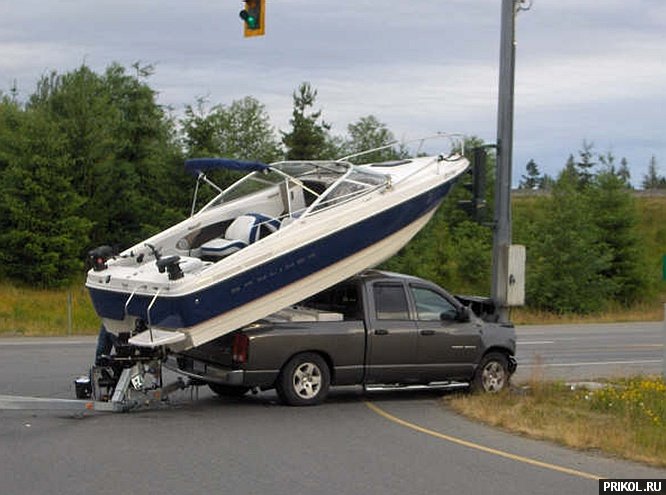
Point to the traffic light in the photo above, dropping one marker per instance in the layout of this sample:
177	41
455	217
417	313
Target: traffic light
477	185
253	17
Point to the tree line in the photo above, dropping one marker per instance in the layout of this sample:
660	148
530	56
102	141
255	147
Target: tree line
92	158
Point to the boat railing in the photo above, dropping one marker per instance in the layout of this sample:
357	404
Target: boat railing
150	307
452	137
131	297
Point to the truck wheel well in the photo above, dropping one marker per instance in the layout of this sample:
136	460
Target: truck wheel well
323	355
501	350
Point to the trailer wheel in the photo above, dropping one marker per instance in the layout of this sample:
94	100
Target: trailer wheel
228	390
492	374
304	380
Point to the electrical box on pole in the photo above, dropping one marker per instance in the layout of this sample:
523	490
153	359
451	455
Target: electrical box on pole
253	16
515	289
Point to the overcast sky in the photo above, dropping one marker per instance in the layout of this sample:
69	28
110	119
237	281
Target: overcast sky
591	70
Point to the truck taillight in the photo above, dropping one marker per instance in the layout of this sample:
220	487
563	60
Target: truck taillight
240	348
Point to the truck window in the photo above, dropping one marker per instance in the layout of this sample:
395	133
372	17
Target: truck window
431	306
390	302
342	298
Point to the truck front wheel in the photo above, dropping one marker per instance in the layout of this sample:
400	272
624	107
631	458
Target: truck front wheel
492	374
304	380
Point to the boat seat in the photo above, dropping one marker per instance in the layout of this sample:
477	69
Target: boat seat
243	231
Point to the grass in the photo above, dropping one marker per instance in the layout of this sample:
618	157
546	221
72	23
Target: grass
626	418
646	311
35	312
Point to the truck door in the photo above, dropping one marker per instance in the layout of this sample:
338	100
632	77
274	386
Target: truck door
391	345
447	347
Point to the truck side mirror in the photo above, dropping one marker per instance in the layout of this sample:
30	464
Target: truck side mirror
464	314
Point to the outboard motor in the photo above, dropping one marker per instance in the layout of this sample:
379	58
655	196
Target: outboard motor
99	256
170	264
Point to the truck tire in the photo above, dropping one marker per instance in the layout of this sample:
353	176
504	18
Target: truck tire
228	390
304	380
492	375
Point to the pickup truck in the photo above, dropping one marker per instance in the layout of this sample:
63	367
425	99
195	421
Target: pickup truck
375	329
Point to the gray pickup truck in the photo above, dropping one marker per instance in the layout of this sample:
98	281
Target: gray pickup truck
376	329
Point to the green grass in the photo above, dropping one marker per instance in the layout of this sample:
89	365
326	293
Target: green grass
626	418
36	312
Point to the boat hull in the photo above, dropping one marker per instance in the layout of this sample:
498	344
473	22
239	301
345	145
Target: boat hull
285	279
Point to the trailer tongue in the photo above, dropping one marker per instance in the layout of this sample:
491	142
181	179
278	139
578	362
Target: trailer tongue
127	380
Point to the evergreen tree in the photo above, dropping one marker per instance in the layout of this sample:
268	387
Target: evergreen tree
532	179
614	214
585	165
652	180
566	262
309	137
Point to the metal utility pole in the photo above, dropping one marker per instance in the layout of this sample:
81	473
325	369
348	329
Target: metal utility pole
502	234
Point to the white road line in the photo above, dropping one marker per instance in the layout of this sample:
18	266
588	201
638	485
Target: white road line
45	342
589	363
536	342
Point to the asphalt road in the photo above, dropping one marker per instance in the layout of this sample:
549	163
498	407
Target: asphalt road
590	351
402	443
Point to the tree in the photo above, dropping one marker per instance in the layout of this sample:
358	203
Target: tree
622	172
614	214
652	180
309	137
585	165
566	261
120	144
241	130
532	179
369	133
41	232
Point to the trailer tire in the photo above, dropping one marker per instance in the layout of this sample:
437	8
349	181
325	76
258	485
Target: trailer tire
228	390
304	380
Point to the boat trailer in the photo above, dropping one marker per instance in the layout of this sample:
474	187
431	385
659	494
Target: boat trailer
128	380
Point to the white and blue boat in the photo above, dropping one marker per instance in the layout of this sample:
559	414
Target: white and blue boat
280	234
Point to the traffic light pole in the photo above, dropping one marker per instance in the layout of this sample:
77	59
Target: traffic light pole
502	214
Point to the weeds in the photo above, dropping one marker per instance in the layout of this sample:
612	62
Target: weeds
625	418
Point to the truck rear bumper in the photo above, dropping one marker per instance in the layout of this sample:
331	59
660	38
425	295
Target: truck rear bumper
205	371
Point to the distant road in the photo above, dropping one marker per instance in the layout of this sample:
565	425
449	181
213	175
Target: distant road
590	351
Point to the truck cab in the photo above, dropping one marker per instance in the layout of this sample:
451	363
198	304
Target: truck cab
375	329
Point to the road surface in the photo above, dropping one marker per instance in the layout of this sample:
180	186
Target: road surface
384	443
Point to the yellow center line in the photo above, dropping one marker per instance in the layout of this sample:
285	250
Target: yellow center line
482	448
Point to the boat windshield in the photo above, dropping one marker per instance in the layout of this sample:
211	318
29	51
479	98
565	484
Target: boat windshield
323	184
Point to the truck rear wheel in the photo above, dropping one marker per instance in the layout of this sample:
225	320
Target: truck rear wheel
304	380
492	375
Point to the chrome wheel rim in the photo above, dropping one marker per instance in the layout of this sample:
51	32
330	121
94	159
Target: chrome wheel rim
307	380
493	377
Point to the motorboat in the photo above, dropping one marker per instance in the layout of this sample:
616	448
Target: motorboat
281	233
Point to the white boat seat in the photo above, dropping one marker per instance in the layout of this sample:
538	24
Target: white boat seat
243	231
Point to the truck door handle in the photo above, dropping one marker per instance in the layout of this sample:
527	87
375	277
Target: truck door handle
427	332
381	331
